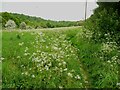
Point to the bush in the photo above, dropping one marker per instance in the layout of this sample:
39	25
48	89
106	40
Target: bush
0	22
23	25
105	26
49	25
0	19
33	21
10	24
29	27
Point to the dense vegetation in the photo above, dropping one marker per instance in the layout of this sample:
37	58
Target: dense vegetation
35	22
63	58
45	59
105	22
104	26
75	57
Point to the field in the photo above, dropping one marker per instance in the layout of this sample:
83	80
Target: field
57	58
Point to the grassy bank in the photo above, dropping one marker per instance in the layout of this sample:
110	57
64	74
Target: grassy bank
57	59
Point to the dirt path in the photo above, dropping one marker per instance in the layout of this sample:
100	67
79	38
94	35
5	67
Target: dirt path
85	77
43	29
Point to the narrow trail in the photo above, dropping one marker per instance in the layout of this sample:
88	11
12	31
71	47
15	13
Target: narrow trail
42	29
84	72
85	76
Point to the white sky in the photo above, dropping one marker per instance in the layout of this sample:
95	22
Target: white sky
51	10
50	0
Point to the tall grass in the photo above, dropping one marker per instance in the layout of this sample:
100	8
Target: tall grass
57	59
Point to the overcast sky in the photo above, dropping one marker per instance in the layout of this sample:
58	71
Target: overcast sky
51	10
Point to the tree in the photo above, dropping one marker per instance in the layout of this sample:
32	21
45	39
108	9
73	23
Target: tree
49	25
0	19
23	25
0	22
10	24
107	5
105	22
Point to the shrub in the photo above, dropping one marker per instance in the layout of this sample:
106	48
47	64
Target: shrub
0	22
38	27
23	25
29	27
105	26
49	25
10	24
0	19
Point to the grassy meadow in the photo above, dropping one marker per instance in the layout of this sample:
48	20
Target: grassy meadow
57	58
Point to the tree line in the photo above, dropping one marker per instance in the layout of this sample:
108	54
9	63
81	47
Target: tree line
105	22
20	20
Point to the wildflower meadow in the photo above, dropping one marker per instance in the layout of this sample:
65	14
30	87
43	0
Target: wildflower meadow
57	58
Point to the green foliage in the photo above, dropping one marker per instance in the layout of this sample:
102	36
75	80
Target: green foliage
49	25
0	19
105	23
42	54
10	24
45	60
100	60
35	22
23	25
0	22
108	5
105	27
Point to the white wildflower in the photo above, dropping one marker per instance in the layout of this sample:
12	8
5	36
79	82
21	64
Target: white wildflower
111	65
26	54
61	70
77	77
55	48
114	57
20	44
18	57
64	63
26	49
50	64
60	87
108	61
46	67
22	65
34	54
65	69
33	76
60	64
70	75
26	73
2	58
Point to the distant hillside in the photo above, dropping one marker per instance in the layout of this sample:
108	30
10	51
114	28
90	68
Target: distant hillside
35	22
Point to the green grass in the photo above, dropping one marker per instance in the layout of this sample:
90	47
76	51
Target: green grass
63	58
101	64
